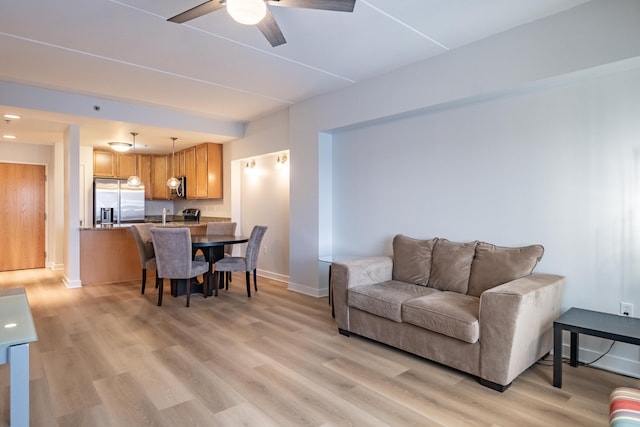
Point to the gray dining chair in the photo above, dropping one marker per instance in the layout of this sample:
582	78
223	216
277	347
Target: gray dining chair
247	263
173	257
223	229
142	237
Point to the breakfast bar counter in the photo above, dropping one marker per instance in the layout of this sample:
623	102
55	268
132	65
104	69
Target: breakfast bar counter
108	254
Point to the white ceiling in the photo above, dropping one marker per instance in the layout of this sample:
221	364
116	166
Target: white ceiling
212	66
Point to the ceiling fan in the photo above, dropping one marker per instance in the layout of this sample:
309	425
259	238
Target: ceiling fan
256	12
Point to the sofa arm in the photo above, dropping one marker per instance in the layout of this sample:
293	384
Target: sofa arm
516	325
347	274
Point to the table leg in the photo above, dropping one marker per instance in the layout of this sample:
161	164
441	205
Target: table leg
557	356
574	349
19	385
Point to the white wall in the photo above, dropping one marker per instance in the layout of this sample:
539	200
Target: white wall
405	152
265	201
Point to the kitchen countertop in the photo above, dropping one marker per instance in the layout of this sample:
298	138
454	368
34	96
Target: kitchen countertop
177	222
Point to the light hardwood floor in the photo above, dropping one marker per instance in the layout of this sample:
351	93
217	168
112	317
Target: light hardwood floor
108	356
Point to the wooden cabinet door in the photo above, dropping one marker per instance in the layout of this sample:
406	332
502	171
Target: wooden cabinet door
180	163
160	173
214	171
190	171
104	164
144	172
201	171
126	165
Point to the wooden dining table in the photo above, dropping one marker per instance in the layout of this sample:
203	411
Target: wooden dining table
212	246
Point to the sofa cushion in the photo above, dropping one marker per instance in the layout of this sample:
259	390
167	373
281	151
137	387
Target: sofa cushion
412	259
385	299
451	265
448	313
495	265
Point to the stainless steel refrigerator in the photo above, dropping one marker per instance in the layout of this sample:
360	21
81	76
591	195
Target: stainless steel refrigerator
115	202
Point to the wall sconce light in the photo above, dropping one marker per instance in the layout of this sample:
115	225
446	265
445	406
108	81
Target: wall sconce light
281	160
249	166
120	146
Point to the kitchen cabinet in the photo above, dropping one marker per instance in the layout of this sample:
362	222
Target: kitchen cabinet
144	172
208	173
160	170
108	164
104	164
126	165
180	166
190	171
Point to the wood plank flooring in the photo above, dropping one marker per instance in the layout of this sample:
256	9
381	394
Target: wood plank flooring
108	356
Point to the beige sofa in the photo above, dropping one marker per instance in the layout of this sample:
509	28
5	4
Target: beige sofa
472	306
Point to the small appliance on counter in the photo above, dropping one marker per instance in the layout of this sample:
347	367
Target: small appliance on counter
191	215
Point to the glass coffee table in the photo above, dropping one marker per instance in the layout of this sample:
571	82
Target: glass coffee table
594	323
16	332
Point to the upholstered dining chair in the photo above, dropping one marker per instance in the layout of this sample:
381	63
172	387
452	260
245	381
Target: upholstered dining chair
142	237
173	257
223	229
248	263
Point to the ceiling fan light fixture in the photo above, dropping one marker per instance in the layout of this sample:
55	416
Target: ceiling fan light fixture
247	12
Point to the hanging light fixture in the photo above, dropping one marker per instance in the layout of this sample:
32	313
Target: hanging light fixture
247	12
134	180
120	147
173	182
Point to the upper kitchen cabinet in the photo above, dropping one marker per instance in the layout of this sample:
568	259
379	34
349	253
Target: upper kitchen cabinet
126	165
107	164
208	173
104	164
144	172
160	170
180	163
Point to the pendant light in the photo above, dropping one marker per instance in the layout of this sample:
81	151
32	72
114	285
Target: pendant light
134	180
173	182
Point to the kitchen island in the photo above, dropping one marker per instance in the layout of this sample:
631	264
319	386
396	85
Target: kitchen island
108	254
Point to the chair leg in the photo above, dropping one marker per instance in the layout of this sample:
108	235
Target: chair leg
248	275
159	285
255	279
221	280
226	287
144	279
187	285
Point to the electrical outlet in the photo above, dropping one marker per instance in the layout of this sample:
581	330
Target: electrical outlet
626	309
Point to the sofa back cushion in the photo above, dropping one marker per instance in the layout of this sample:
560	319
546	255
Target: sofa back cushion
451	265
495	265
412	259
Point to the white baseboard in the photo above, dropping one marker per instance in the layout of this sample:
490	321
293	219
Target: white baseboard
71	283
273	276
55	267
611	362
307	290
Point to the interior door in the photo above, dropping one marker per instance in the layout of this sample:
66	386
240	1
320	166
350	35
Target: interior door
22	216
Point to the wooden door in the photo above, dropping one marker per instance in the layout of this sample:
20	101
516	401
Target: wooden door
22	206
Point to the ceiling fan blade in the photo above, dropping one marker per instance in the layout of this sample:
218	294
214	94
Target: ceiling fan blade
196	12
335	5
269	27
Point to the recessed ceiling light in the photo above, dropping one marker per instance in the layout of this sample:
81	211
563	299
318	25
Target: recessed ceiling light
11	116
9	136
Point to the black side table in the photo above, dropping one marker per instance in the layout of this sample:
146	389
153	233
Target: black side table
595	323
